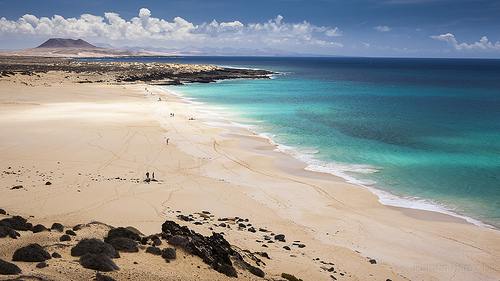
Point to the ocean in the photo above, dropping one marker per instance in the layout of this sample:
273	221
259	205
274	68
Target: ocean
420	133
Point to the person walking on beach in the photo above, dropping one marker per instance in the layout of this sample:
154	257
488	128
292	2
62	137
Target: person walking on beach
167	140
147	175
153	176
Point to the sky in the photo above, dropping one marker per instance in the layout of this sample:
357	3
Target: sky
373	28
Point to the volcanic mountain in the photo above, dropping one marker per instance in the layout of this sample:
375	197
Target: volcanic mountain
71	48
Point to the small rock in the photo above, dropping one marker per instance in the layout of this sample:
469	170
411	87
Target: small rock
228	270
373	261
3	212
280	237
42	265
78	227
242	225
56	255
124	244
57	226
252	229
154	251
101	262
169	253
302	246
94	246
121	232
222	225
7	268
286	248
31	253
48	183
70	232
198	223
17	223
157	242
17	187
257	271
39	228
100	277
65	237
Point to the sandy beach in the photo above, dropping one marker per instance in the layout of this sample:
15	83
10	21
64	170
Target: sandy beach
95	143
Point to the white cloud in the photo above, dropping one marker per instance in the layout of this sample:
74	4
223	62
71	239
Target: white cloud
483	44
112	27
384	28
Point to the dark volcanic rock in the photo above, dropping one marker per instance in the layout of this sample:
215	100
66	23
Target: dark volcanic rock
213	250
70	232
48	183
57	226
169	253
17	223
94	246
257	271
39	228
78	227
3	212
42	265
228	270
178	240
56	255
280	237
373	261
124	244
157	242
154	251
121	232
99	262
7	268
100	277
65	237
17	187
31	253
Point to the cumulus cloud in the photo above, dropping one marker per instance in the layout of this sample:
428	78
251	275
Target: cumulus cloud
483	44
384	28
145	27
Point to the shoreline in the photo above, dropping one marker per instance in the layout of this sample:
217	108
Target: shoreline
95	143
290	164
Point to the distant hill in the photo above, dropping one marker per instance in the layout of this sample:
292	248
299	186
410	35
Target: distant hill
66	43
71	48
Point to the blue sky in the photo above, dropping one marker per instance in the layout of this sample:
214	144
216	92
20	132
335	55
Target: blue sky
394	28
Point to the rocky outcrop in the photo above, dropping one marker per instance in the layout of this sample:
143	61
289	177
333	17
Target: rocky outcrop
7	268
31	253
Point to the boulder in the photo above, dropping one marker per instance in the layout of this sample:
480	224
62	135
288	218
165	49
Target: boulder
16	187
3	212
94	246
100	277
7	268
39	228
17	223
31	253
100	262
42	265
70	232
280	237
169	254
228	270
154	251
124	244
57	226
121	232
65	237
56	255
256	271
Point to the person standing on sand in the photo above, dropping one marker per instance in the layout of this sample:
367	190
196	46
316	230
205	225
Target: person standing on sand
167	140
153	176
147	175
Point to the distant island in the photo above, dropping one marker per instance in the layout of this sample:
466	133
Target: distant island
71	48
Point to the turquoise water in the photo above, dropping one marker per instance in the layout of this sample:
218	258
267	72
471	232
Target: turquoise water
422	133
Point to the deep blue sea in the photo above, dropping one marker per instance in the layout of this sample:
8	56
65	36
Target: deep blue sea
421	133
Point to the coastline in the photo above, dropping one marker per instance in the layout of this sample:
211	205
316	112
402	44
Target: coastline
291	164
204	169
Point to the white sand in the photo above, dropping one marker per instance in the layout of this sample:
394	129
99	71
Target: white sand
82	138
